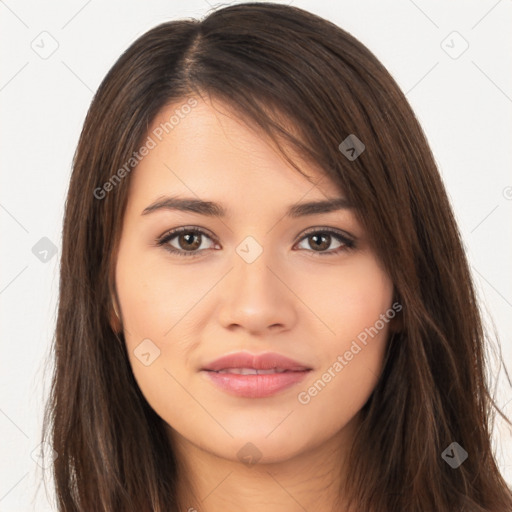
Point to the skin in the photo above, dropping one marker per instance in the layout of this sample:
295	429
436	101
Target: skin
292	300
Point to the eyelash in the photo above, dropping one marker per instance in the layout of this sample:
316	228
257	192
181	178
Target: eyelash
348	243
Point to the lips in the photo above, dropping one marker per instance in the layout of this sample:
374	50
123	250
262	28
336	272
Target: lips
255	376
266	361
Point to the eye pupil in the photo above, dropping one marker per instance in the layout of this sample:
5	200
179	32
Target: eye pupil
321	245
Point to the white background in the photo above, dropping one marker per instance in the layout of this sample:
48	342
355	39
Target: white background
464	105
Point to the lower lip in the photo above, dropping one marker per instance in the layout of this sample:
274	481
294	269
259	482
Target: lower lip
255	386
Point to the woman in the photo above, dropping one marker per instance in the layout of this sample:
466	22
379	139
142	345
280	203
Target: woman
264	299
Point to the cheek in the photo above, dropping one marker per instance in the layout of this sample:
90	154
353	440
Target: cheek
163	317
365	324
156	297
350	300
156	303
359	312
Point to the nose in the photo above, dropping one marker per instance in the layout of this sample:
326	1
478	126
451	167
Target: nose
256	298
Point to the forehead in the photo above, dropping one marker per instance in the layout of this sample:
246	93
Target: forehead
204	149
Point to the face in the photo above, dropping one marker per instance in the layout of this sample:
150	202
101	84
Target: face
304	293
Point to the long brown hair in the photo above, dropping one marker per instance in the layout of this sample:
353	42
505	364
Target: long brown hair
275	63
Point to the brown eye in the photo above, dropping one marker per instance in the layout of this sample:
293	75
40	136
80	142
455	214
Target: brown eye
189	241
320	241
185	241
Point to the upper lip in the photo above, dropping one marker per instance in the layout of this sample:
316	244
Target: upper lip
265	361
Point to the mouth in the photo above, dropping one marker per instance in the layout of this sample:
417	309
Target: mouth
255	376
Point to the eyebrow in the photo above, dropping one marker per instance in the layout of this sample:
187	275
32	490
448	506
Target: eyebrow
212	209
